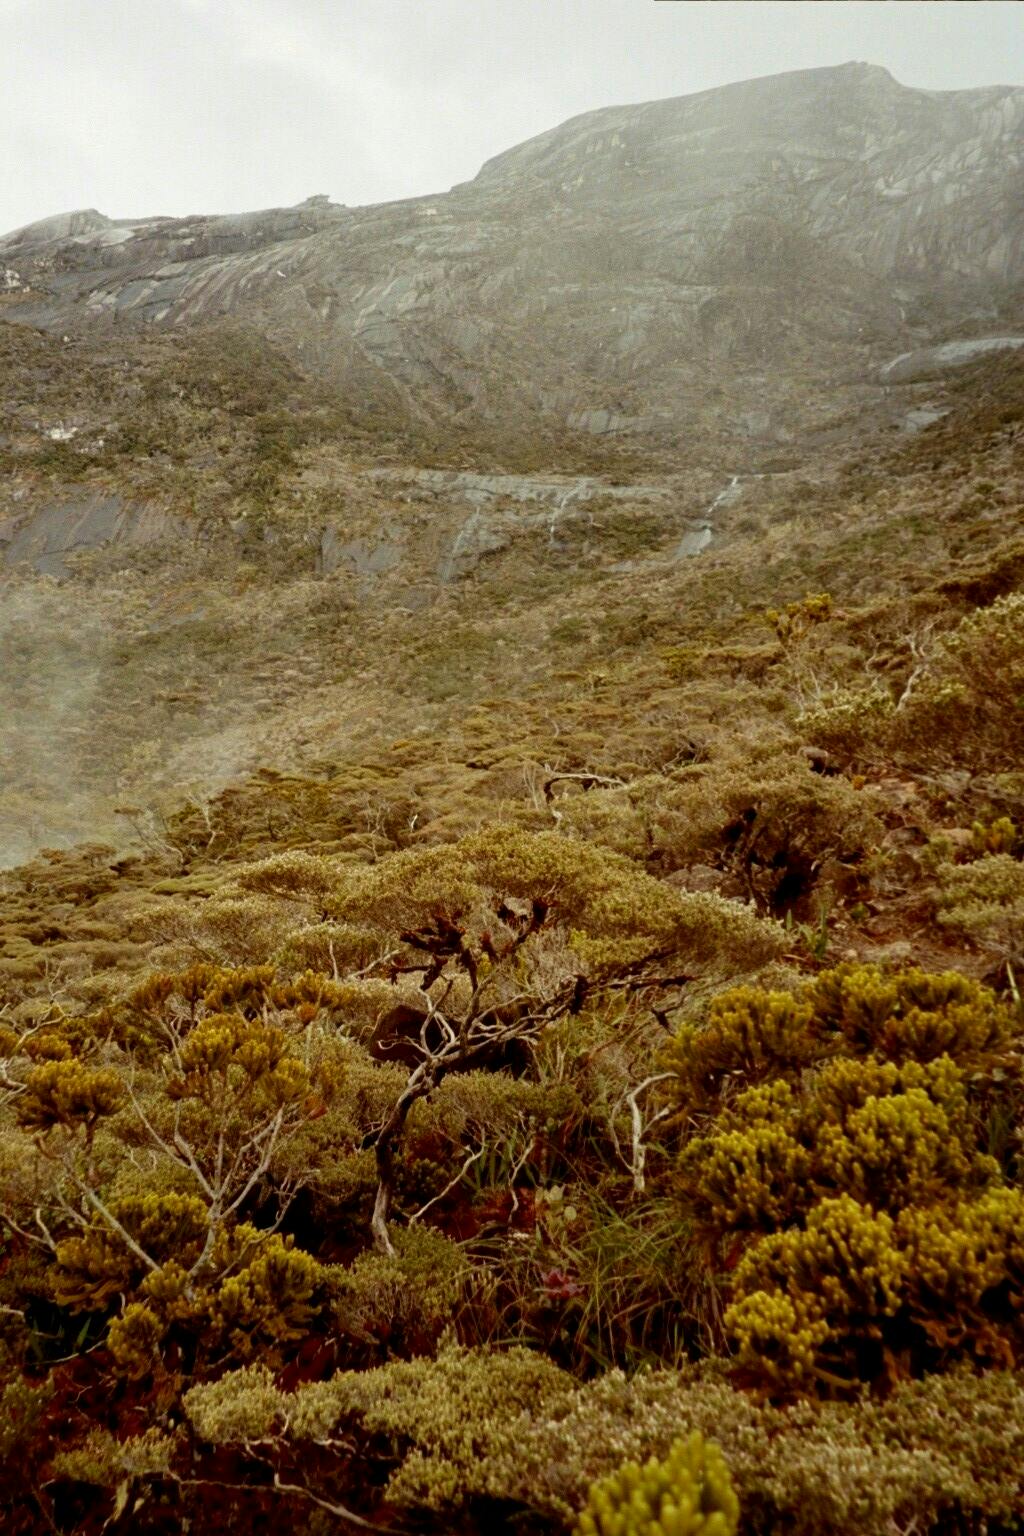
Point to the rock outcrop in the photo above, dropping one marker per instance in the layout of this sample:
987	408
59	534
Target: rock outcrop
933	362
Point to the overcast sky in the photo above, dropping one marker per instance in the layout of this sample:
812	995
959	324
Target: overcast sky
181	106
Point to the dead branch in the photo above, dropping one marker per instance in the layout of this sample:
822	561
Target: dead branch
637	1159
478	1035
585	780
474	1157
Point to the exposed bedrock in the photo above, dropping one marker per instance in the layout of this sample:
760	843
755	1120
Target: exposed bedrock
778	240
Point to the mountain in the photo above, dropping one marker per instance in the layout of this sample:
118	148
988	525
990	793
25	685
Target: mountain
512	841
775	239
259	469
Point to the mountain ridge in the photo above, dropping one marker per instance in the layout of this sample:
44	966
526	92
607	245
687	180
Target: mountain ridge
693	238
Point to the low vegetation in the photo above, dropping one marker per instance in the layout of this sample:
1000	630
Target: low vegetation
583	1091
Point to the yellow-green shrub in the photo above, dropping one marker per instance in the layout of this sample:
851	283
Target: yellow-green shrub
400	1303
593	894
852	723
67	1092
689	1493
912	1014
874	1231
969	705
748	1033
750	1173
472	1431
984	902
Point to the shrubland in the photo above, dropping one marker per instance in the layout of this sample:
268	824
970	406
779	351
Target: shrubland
580	1087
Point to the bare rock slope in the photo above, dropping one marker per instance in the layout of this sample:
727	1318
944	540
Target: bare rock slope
754	252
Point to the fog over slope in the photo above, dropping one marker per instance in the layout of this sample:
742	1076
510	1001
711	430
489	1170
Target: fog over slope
239	453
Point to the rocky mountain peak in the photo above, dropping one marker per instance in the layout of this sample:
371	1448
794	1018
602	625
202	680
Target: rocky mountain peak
605	275
81	222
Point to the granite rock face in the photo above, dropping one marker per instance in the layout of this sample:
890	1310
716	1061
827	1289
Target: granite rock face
49	536
933	362
764	243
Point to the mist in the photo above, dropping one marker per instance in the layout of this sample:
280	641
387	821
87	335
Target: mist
228	105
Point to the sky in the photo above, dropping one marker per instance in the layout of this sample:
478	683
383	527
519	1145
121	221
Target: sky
142	107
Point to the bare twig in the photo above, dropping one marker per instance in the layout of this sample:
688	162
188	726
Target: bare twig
585	780
474	1157
340	1510
637	1159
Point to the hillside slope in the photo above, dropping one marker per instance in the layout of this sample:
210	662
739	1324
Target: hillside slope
265	457
511	919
